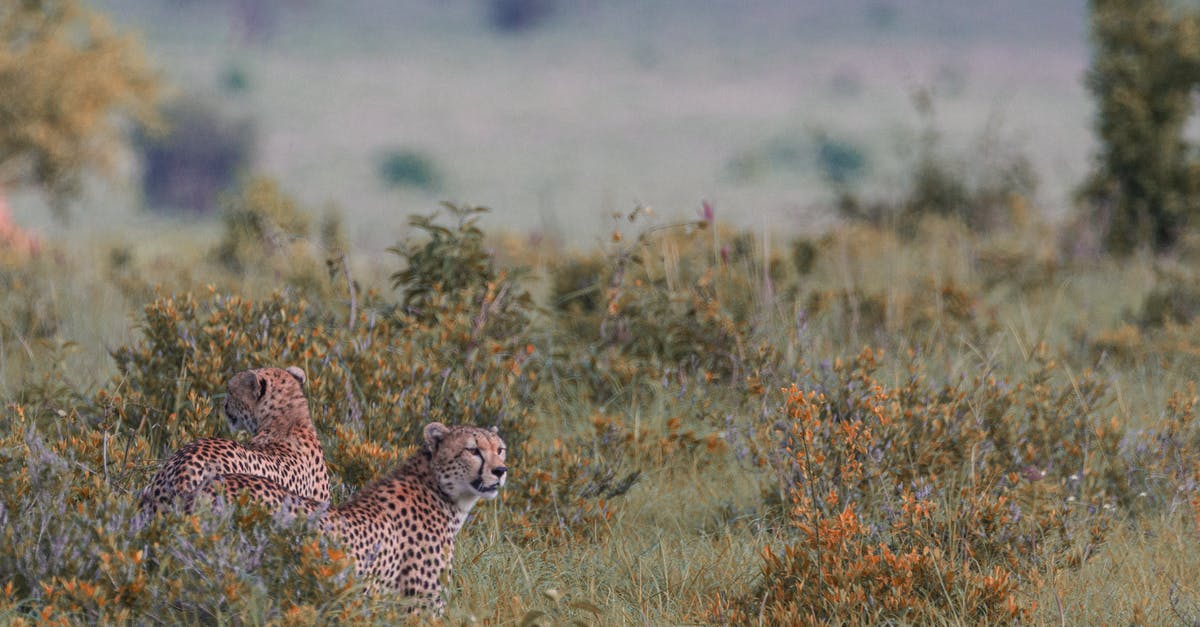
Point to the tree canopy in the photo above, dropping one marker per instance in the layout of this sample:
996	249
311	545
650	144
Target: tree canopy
1145	69
68	84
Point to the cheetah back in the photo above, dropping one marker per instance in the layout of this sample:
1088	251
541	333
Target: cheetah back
284	448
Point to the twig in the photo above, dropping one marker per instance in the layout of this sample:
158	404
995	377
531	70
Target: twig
353	293
486	308
353	410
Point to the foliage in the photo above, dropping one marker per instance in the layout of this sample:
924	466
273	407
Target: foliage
928	503
672	298
68	79
372	385
576	287
452	260
987	192
199	156
1144	70
1162	324
572	487
26	319
511	16
1174	299
840	162
945	309
453	267
400	168
263	226
235	79
70	556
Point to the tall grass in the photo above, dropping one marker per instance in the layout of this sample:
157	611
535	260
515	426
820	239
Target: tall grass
1013	397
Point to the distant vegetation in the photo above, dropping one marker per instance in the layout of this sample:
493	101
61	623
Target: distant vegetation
200	155
409	168
840	161
67	82
987	188
1144	74
519	15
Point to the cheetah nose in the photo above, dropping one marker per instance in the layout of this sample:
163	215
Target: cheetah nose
499	471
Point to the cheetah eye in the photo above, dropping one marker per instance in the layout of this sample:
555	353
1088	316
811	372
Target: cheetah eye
500	451
262	388
474	450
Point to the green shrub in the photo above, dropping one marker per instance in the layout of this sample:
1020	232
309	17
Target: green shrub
804	255
840	162
408	168
986	193
576	286
453	265
920	315
1145	67
268	231
510	16
29	312
667	300
1174	299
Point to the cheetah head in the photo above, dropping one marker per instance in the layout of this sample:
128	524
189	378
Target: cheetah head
255	398
467	462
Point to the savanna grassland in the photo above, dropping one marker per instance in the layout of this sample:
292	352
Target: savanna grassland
941	407
870	425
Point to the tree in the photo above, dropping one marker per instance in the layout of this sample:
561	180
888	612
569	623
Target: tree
1145	66
67	82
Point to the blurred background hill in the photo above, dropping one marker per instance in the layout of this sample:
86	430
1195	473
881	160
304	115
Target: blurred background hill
555	113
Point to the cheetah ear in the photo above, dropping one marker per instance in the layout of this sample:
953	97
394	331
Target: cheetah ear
494	429
297	373
434	432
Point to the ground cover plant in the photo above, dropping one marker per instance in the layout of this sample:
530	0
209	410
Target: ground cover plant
705	426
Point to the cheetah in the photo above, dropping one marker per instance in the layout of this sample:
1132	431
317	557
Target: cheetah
269	403
400	529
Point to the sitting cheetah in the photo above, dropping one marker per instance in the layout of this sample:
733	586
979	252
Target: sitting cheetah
269	403
400	528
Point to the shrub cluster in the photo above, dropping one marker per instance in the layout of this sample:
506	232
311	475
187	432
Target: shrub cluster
919	502
377	374
884	486
987	192
673	300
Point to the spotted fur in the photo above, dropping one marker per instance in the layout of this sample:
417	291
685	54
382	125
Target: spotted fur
270	403
400	529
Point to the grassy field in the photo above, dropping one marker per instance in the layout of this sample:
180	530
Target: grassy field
1031	411
770	415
